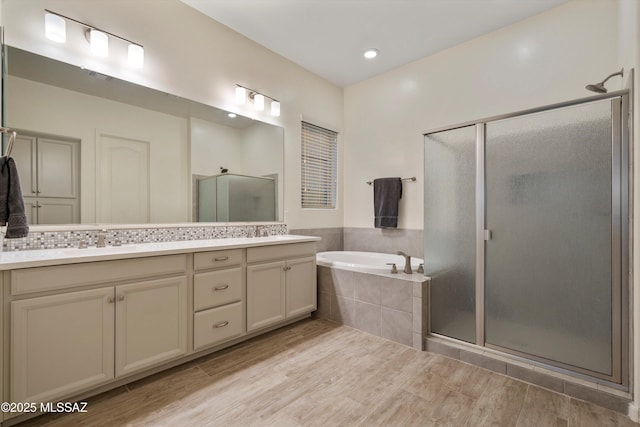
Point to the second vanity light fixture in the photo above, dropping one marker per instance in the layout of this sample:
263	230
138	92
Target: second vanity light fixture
55	30
242	93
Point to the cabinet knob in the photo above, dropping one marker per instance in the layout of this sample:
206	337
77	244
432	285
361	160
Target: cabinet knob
120	297
221	324
110	300
222	258
286	268
221	288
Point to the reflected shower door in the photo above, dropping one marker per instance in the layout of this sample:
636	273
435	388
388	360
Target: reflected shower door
554	222
450	231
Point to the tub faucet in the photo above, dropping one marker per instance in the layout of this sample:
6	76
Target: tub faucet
407	262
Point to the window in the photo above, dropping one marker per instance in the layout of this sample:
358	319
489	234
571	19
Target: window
319	167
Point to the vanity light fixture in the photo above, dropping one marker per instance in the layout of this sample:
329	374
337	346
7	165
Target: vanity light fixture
55	30
257	99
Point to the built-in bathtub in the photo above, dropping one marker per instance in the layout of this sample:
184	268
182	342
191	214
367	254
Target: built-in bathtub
370	262
359	290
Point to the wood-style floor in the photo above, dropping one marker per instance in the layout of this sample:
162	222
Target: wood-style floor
318	373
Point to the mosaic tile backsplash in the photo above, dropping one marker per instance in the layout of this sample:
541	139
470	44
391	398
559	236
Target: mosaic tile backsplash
71	239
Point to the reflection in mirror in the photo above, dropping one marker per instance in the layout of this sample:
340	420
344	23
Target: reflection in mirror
96	149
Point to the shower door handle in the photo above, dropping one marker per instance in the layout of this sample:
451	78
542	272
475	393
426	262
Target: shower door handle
487	235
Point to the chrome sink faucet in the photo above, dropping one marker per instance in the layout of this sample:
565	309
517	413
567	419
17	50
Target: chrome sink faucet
407	262
101	238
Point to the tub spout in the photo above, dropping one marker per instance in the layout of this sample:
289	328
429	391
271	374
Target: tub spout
407	262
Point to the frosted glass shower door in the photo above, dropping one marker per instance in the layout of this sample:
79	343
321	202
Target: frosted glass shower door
554	219
450	231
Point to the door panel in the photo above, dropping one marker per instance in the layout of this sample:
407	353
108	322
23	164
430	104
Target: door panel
548	282
450	232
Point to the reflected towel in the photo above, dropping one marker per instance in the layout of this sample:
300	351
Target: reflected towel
12	210
387	193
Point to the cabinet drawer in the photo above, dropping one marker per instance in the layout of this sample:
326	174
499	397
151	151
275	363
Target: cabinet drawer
214	259
217	325
264	253
40	279
217	288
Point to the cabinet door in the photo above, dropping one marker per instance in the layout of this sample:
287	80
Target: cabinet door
57	168
151	323
265	295
31	209
57	211
301	286
24	154
61	344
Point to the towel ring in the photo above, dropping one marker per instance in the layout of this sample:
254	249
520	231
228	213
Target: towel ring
12	138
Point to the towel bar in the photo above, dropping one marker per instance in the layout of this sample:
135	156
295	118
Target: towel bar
413	179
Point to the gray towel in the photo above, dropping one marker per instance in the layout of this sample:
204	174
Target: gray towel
11	202
386	198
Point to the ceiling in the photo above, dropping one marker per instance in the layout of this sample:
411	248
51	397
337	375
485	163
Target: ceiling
329	37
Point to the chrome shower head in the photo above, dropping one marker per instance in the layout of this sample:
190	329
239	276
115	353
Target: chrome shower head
599	87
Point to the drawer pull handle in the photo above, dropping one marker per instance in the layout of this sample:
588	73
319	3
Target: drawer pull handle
121	298
110	300
221	288
222	258
221	324
287	268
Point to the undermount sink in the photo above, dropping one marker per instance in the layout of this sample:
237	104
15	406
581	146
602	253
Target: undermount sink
100	251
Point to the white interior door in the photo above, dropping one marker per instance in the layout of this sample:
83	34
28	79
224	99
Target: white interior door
122	181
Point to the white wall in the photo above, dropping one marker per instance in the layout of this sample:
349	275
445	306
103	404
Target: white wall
545	59
52	110
213	146
171	33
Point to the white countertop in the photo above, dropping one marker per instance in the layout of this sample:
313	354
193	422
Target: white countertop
39	258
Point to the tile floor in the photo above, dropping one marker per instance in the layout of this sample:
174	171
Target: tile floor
319	373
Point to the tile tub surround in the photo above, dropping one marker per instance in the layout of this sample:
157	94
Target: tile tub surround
389	306
367	239
388	241
522	369
71	236
332	238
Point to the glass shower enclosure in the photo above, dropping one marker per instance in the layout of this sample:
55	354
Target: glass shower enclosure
232	197
526	234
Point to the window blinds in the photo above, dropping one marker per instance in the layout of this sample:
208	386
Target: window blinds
319	167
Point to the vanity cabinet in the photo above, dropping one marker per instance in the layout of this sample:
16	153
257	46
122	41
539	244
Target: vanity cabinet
68	342
281	283
218	297
49	177
74	327
61	343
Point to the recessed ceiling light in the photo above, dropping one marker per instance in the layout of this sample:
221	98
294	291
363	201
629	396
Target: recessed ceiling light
371	53
232	115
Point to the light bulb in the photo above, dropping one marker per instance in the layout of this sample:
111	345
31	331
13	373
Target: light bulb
258	101
136	56
99	42
55	28
275	108
241	95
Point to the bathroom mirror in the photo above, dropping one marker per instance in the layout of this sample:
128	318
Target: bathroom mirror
125	153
